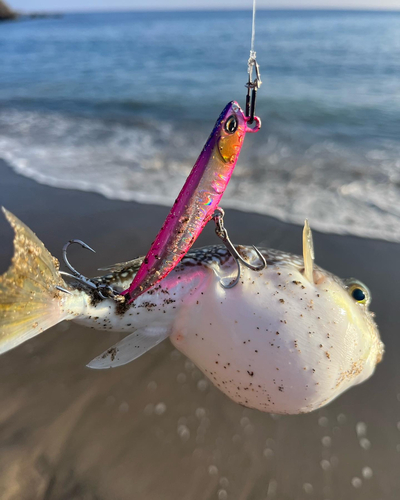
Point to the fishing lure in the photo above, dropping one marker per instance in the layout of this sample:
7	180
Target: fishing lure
198	199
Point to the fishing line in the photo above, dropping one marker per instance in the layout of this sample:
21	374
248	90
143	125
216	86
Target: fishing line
253	30
252	86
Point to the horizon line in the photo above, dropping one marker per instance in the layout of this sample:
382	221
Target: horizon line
210	9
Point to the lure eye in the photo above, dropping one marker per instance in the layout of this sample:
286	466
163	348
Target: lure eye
359	292
231	124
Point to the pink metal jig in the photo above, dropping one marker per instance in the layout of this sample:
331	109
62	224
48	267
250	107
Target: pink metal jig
197	200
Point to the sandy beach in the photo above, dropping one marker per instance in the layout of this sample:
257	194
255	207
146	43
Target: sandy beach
156	429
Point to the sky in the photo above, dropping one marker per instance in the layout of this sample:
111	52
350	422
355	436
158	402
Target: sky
78	5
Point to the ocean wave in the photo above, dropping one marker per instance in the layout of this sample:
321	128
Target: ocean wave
338	188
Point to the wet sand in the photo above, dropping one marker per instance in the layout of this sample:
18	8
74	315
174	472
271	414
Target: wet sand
156	429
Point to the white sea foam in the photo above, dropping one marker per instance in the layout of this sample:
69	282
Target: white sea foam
337	191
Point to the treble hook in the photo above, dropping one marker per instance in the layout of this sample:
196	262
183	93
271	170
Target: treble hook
222	233
80	277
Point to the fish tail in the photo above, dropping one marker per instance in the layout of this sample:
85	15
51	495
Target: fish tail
30	303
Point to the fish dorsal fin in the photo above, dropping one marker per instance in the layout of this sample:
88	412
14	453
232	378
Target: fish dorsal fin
308	252
130	348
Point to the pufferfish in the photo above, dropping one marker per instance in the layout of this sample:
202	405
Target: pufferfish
287	339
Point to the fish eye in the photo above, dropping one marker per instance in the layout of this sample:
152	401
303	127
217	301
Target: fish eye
231	124
358	295
359	292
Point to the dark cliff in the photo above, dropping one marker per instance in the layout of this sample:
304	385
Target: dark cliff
5	12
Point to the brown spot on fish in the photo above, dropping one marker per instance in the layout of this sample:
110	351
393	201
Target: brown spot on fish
111	352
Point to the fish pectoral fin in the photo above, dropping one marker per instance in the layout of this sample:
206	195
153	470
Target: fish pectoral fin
130	348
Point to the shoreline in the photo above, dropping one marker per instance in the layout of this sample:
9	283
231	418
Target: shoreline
67	431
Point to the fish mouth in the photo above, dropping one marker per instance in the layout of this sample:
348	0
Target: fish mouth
380	353
377	347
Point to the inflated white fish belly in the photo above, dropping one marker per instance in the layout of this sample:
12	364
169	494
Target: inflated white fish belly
277	342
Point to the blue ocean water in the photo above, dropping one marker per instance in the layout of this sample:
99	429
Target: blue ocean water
122	103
